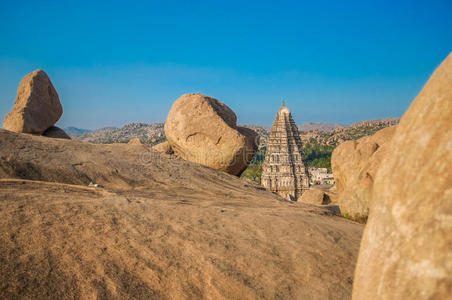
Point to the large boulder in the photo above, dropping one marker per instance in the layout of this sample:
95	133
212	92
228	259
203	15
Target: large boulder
406	250
56	132
202	129
37	105
354	165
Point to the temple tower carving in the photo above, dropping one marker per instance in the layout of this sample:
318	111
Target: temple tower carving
284	171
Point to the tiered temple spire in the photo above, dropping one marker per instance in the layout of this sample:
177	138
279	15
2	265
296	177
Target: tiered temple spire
284	171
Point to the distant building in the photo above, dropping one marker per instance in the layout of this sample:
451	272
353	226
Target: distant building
320	176
283	170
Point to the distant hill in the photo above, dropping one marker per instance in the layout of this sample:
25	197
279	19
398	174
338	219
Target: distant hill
147	133
353	132
309	126
75	130
327	134
318	143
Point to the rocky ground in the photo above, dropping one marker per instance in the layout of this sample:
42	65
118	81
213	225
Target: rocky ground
160	228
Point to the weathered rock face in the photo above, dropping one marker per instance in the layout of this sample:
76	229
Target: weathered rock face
354	165
56	132
134	141
37	105
317	197
406	250
202	129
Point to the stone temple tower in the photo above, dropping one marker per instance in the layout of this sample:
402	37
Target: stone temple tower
284	171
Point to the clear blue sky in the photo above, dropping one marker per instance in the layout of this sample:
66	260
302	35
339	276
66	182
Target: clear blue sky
114	62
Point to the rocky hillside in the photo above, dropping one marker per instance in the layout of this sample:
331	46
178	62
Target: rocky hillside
353	132
147	133
160	228
324	133
310	126
318	145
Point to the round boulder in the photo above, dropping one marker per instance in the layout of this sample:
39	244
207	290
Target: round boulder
37	105
202	129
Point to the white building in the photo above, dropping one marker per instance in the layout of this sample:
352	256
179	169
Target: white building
320	176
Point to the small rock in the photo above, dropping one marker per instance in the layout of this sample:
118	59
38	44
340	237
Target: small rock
92	184
56	132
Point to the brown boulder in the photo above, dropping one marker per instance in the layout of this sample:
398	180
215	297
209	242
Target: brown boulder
163	147
354	165
406	250
37	105
56	132
135	141
203	130
317	197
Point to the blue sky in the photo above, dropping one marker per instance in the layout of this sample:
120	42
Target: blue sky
115	62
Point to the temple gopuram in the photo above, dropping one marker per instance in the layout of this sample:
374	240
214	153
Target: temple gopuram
283	170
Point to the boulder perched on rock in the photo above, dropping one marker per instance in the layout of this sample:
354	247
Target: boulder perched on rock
203	130
406	250
163	147
135	141
317	197
354	164
56	132
37	105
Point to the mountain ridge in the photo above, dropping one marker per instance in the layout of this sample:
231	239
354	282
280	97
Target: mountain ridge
323	126
71	130
331	134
